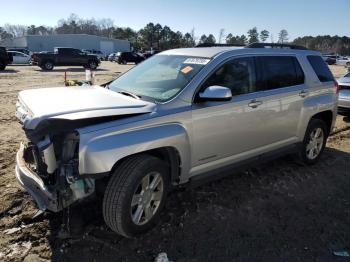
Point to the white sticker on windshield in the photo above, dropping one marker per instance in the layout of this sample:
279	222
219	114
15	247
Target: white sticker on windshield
197	61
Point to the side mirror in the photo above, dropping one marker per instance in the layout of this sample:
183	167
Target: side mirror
216	93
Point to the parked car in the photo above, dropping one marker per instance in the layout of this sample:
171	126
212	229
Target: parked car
330	60
64	56
180	116
128	57
97	53
345	61
111	57
344	94
5	58
20	58
22	50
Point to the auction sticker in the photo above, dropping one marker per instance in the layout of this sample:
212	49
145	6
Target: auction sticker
196	61
187	69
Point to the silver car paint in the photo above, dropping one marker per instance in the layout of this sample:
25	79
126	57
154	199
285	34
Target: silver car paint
344	94
211	135
205	135
75	103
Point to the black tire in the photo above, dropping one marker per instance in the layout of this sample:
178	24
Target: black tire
92	65
2	66
314	124
124	62
348	63
125	181
47	65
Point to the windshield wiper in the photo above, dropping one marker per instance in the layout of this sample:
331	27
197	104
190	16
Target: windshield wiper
130	94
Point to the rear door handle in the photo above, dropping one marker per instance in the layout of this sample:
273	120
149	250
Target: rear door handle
254	103
303	93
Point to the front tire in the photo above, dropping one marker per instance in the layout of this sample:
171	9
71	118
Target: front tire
135	195
2	66
48	65
314	141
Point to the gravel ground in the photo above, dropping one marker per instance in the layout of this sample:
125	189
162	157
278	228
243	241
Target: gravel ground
278	211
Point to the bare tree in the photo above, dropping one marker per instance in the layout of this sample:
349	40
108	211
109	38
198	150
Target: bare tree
16	30
221	35
283	36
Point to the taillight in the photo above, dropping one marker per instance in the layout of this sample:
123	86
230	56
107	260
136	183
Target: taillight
336	85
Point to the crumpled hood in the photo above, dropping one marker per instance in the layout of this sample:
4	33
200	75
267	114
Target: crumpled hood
73	103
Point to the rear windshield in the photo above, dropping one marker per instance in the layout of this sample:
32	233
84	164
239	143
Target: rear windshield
321	69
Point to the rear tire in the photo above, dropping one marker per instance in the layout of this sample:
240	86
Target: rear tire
135	195
314	141
2	66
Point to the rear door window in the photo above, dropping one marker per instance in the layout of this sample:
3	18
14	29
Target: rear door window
279	72
321	69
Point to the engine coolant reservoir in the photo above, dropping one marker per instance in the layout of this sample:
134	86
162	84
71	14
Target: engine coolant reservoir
82	188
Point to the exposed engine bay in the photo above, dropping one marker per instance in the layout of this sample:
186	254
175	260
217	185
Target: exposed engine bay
48	163
55	160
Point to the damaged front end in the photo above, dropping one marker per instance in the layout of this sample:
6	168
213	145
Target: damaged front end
48	164
48	170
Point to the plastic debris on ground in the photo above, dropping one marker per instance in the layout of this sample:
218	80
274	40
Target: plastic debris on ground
162	257
341	253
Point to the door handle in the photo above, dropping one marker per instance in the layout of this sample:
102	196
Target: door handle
303	93
254	103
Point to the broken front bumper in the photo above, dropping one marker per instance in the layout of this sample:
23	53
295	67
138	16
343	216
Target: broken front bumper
35	185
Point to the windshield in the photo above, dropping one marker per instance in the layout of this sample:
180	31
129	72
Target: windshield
160	77
347	75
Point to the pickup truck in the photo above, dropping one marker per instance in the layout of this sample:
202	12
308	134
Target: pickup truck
5	58
64	56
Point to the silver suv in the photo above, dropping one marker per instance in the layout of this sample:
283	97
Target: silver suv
179	116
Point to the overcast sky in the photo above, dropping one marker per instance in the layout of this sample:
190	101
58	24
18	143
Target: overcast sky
299	17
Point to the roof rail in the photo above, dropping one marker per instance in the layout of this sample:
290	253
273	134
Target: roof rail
213	45
276	45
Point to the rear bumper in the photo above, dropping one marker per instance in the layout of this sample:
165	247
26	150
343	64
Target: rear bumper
35	185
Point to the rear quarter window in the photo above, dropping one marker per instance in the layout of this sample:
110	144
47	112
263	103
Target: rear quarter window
321	69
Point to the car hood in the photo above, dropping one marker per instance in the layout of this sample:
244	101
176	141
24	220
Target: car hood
74	103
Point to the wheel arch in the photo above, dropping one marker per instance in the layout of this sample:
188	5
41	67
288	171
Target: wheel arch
326	117
169	154
101	153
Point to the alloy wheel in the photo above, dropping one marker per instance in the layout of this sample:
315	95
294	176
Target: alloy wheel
147	198
315	143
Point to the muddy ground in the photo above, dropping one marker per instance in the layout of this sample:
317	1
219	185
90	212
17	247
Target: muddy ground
278	211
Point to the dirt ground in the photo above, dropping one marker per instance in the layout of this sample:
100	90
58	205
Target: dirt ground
278	211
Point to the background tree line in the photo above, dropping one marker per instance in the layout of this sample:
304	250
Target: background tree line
163	37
